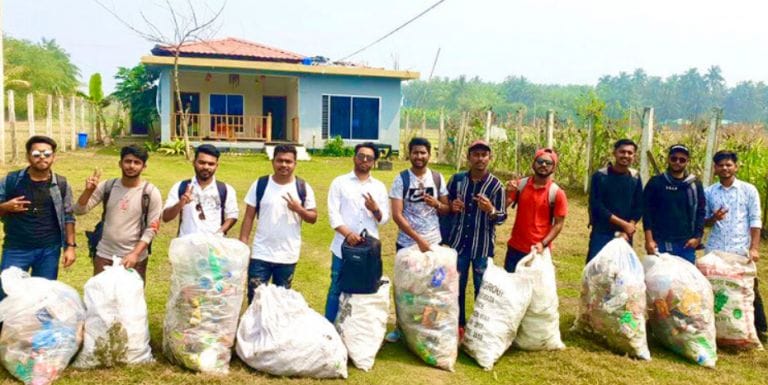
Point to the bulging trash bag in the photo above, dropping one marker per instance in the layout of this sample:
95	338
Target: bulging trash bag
362	324
680	308
207	286
613	302
281	335
42	326
732	278
540	327
116	327
427	303
499	308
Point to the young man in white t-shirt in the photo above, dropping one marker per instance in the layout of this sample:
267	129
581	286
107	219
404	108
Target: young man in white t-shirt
203	204
281	202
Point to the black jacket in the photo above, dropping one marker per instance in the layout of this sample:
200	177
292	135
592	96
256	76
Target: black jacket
671	208
616	194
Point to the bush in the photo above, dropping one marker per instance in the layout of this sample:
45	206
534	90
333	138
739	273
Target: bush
335	147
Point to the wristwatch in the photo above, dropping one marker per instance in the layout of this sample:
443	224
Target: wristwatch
71	244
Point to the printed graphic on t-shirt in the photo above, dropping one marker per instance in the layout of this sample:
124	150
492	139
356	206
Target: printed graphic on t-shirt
416	194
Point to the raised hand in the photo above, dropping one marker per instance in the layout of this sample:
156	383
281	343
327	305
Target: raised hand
370	203
16	205
293	204
512	185
484	203
187	197
457	206
92	181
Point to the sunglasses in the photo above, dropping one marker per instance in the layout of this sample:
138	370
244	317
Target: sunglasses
678	159
365	158
546	162
41	154
200	212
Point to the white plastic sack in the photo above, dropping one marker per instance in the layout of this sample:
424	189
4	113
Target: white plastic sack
116	327
733	282
362	324
680	308
207	285
281	335
540	327
613	303
499	308
42	326
427	303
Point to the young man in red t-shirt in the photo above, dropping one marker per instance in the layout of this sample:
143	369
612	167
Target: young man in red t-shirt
541	209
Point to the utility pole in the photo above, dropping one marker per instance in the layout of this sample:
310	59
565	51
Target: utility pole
711	141
646	142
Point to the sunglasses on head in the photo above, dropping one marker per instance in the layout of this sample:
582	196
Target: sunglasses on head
41	154
200	212
546	162
365	158
678	159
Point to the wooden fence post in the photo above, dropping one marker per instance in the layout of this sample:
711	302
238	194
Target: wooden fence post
441	137
590	139
423	124
12	124
460	140
646	143
518	130
31	113
73	125
711	142
550	128
49	116
488	121
82	116
62	126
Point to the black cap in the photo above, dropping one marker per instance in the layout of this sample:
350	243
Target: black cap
679	148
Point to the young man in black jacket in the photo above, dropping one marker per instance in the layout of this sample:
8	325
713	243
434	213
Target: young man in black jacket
615	199
673	209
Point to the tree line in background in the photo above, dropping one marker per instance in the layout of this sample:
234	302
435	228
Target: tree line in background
45	68
681	97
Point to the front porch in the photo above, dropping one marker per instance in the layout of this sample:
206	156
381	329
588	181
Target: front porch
233	128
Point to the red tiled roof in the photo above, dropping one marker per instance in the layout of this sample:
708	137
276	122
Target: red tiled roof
231	48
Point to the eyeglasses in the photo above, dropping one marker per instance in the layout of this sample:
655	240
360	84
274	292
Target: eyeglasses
678	159
365	158
200	212
546	162
43	154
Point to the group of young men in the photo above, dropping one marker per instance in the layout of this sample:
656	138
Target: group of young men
38	212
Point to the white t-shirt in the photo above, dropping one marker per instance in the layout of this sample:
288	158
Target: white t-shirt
422	218
278	232
210	203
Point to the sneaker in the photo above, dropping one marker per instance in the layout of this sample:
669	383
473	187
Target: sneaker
461	333
393	336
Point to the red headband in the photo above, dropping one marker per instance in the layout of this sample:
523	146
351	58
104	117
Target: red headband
546	151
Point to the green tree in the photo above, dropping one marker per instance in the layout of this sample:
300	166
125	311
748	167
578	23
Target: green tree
98	103
136	89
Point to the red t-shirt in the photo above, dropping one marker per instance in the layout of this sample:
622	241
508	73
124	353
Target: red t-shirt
533	221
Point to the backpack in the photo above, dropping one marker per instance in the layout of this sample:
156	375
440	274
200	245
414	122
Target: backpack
221	187
552	196
406	177
691	193
261	187
602	173
94	237
12	182
361	266
448	222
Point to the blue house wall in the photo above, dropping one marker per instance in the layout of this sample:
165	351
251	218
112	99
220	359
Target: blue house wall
312	87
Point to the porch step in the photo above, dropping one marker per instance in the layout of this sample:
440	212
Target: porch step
301	151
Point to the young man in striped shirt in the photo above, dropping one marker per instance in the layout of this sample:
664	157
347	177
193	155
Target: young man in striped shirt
478	206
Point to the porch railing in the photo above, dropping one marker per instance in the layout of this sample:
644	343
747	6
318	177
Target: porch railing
223	127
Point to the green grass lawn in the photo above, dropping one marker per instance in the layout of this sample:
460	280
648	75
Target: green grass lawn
583	361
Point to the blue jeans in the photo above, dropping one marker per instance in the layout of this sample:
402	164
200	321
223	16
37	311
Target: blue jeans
513	257
259	272
334	291
677	248
44	262
479	264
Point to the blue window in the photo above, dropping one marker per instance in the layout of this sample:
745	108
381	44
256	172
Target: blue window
351	117
226	113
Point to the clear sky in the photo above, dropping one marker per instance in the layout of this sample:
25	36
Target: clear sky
547	41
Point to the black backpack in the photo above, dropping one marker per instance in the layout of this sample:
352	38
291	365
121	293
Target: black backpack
261	187
94	237
361	266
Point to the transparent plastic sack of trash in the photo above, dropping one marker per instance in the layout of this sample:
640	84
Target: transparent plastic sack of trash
362	324
680	308
613	302
42	326
116	325
281	335
732	277
540	327
499	308
208	275
427	303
